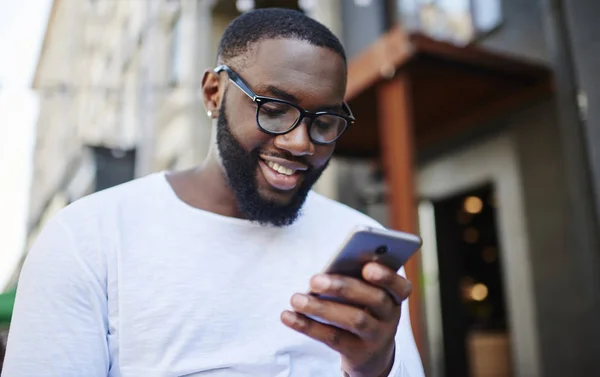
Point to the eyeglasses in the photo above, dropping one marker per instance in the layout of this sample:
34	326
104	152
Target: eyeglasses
277	117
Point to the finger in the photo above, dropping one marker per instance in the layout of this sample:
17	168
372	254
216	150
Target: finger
381	276
336	338
377	301
346	317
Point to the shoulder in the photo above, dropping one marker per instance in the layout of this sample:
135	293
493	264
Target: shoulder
115	200
94	223
87	231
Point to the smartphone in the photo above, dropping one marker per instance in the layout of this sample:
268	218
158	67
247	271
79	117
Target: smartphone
366	244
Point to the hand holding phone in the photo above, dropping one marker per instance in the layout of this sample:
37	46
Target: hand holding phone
366	244
354	304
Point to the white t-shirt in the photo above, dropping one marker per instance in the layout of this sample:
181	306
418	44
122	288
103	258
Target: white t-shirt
132	282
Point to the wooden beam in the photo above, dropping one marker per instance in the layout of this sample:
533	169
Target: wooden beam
393	50
397	144
478	57
381	59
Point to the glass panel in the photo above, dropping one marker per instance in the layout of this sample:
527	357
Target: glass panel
456	21
487	14
409	13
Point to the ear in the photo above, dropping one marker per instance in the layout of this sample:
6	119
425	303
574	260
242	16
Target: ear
211	91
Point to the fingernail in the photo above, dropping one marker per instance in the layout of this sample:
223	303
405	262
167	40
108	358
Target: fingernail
299	301
293	319
375	272
288	317
321	282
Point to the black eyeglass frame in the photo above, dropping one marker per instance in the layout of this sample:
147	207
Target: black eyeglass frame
261	100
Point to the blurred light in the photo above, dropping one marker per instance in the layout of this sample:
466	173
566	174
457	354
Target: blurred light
479	292
363	3
244	5
473	205
471	235
489	254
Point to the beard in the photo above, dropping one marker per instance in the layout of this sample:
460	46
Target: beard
241	169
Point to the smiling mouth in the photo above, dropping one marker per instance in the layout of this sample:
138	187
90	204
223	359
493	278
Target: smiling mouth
281	174
280	169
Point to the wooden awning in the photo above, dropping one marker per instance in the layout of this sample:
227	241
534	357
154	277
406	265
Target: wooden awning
452	88
408	92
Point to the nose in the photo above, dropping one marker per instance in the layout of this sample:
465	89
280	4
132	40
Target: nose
297	141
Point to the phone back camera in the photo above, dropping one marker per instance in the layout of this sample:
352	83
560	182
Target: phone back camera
381	250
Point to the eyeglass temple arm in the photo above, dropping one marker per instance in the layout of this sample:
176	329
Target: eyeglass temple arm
236	80
348	111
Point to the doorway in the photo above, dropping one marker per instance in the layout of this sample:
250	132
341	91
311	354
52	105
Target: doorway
475	333
477	292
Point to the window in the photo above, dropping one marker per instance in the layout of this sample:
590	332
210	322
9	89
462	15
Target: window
175	47
487	15
113	166
244	6
458	21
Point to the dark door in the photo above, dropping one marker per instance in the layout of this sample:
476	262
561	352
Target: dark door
471	287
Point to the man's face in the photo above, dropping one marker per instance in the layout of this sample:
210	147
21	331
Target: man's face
309	76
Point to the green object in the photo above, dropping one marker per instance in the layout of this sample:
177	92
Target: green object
7	301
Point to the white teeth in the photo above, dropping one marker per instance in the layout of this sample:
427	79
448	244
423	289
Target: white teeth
284	170
280	169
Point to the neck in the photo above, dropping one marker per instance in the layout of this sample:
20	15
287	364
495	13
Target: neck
206	188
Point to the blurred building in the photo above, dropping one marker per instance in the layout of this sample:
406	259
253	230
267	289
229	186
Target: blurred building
472	117
486	141
119	83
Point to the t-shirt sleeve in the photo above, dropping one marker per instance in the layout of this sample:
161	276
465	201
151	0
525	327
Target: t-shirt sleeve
59	323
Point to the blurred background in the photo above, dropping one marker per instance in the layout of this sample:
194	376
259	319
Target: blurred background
478	126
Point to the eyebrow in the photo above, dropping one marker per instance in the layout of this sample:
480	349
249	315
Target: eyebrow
282	94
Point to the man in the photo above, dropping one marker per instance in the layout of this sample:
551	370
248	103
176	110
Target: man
202	272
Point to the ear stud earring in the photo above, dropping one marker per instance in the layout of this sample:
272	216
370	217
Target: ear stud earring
209	113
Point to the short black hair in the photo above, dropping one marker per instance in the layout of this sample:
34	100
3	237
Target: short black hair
274	23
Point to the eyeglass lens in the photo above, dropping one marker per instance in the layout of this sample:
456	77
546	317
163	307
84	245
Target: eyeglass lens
278	117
